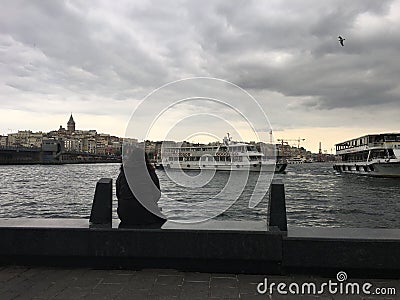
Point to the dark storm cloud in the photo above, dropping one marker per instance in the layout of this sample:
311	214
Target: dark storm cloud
294	50
122	50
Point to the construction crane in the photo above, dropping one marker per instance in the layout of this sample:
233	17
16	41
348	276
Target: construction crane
292	140
286	141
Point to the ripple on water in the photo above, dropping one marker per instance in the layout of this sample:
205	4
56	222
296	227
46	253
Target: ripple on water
316	195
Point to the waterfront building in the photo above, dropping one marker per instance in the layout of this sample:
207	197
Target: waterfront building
149	147
130	141
25	138
157	151
62	131
87	141
100	148
91	145
73	145
3	140
104	138
114	148
70	140
35	140
102	142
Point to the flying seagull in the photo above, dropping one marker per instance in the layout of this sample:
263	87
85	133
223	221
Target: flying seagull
341	40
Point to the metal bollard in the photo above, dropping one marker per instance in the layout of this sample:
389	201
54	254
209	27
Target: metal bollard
277	206
100	215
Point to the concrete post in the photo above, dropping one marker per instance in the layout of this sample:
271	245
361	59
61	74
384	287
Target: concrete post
102	204
277	206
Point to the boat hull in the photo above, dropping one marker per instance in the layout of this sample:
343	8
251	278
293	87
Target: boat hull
377	169
276	168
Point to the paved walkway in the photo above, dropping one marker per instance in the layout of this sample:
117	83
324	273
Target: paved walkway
55	283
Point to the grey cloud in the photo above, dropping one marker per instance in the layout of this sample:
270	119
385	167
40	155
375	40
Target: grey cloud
120	51
68	38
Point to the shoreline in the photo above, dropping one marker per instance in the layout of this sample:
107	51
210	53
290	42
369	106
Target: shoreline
59	163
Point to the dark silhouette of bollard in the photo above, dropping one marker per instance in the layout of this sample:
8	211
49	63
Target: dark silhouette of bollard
277	206
100	215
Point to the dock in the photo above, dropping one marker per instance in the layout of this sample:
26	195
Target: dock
51	154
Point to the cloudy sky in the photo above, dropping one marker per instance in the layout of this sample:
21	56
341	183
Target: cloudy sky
99	59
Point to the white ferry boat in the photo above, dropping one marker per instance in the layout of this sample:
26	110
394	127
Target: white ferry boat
374	155
295	160
226	156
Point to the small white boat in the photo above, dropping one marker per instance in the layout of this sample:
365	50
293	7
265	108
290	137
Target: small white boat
295	160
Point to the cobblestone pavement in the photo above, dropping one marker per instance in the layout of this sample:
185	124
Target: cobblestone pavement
18	282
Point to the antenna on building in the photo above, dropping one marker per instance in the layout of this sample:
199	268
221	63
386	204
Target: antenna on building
320	152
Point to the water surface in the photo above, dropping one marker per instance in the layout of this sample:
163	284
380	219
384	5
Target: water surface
315	195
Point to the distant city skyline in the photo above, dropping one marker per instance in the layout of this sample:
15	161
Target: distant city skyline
73	140
289	135
99	60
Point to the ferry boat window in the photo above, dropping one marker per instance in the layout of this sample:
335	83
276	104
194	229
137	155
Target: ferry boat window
390	138
376	154
238	149
251	148
365	156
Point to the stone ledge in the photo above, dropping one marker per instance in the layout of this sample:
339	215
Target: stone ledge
43	223
223	246
342	249
324	233
209	246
